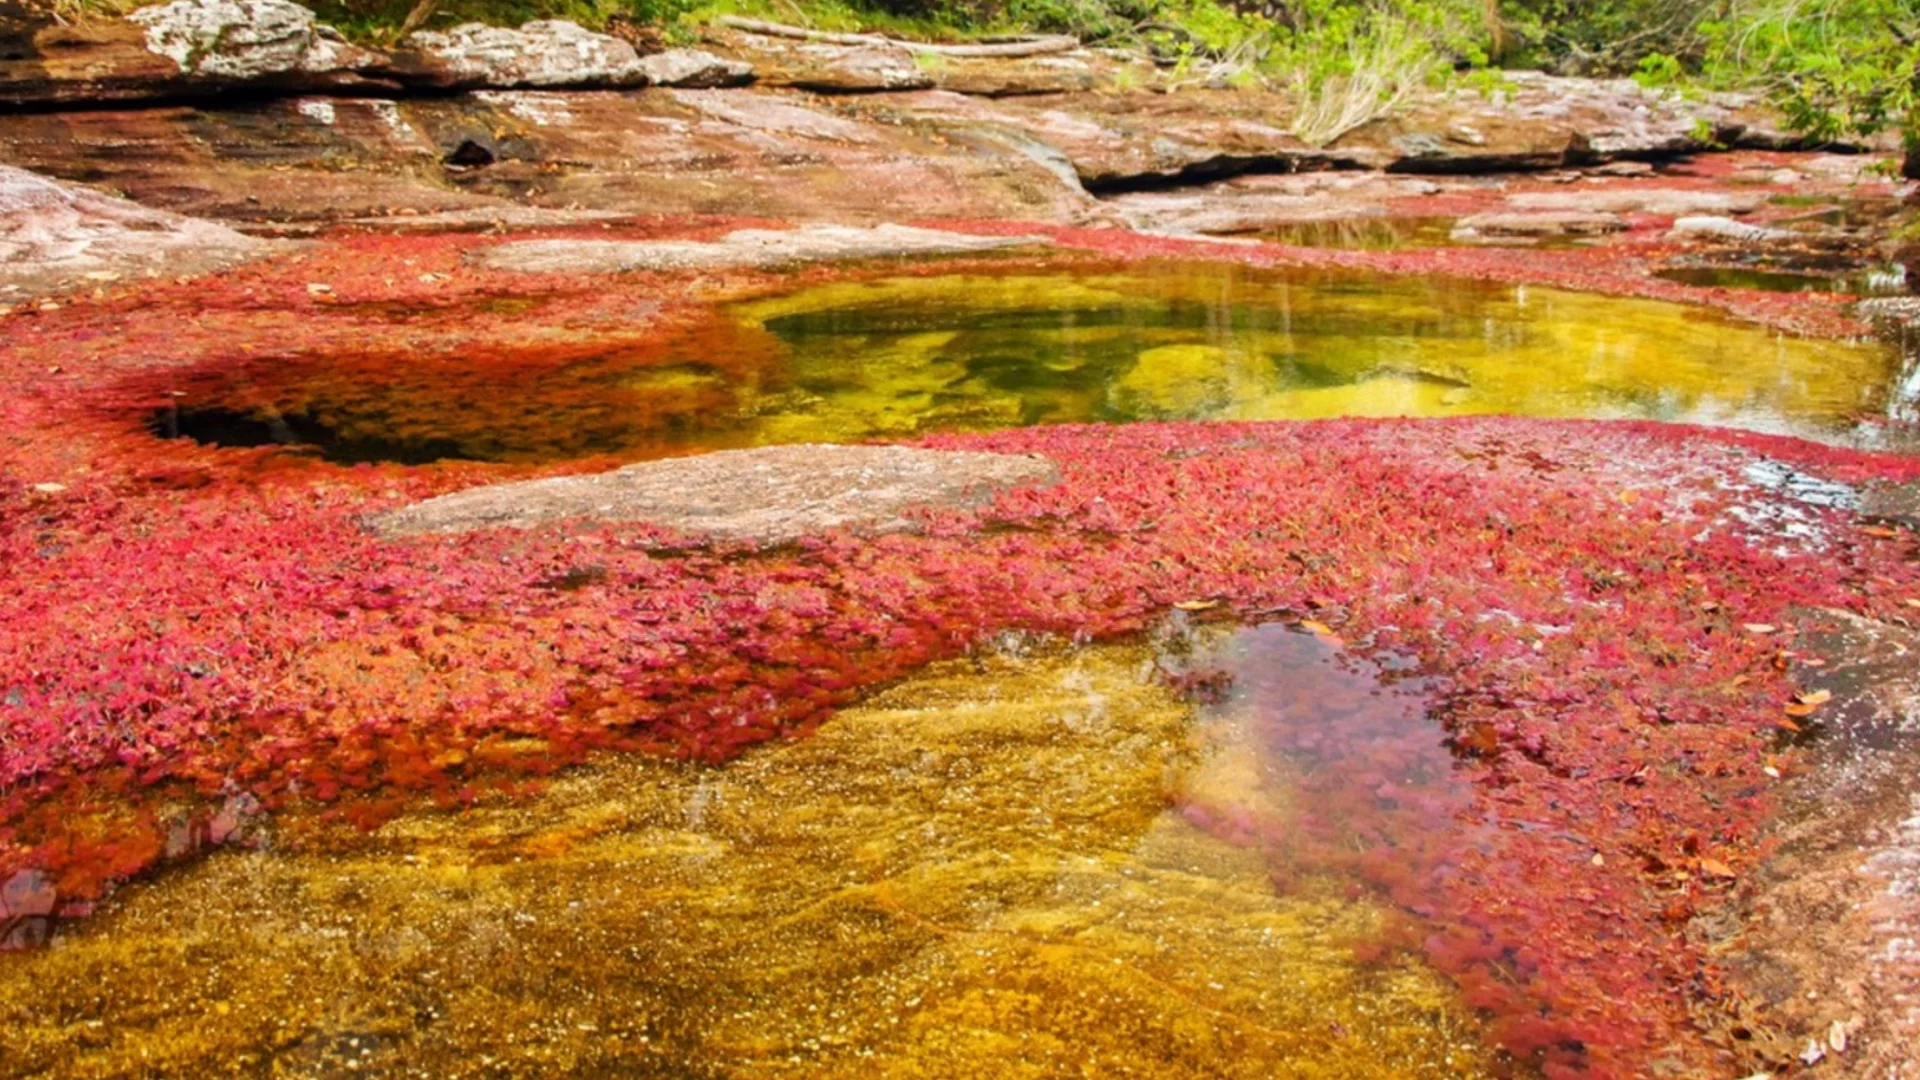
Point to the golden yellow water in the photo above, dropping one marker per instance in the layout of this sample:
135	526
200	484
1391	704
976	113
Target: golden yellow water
900	356
975	875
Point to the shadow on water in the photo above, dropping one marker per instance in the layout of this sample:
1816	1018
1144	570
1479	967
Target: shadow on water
906	355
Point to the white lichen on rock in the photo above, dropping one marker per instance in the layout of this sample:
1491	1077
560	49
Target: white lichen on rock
695	69
547	52
247	39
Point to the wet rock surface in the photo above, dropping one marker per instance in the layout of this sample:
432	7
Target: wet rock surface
292	131
293	165
1248	204
763	496
1823	937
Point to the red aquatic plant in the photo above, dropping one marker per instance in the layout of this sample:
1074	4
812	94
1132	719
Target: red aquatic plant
195	636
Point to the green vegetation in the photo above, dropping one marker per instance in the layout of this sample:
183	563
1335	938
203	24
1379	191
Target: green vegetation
1841	68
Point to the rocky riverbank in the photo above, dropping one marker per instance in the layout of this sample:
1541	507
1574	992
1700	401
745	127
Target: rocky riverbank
252	115
211	185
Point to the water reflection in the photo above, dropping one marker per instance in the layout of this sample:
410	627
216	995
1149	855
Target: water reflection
1890	280
1367	233
905	355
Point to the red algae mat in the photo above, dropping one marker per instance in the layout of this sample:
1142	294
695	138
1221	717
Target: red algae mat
1600	615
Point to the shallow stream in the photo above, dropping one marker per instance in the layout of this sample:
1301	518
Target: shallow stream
1041	863
899	356
1038	862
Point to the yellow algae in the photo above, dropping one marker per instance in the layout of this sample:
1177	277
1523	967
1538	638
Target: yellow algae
976	874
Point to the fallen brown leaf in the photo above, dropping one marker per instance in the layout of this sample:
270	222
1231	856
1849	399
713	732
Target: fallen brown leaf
1715	868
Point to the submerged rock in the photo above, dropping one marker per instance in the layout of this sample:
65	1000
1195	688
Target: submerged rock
744	248
768	495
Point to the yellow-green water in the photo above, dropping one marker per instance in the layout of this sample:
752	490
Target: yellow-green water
978	874
904	354
899	356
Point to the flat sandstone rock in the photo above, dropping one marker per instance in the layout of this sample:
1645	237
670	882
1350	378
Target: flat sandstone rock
746	248
56	235
767	495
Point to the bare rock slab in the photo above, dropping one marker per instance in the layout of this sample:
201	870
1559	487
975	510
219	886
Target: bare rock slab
745	248
1661	202
56	235
1544	225
739	153
767	495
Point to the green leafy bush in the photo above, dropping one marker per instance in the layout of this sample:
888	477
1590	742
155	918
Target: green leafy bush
1598	37
1840	68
